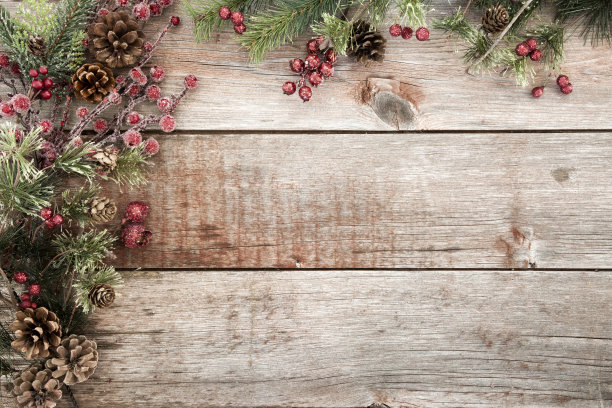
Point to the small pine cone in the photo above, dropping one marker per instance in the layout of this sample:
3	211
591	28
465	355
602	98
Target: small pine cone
495	19
35	387
37	45
115	40
37	332
102	209
92	82
101	295
75	360
106	159
366	44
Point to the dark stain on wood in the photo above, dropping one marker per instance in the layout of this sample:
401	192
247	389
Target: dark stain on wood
562	174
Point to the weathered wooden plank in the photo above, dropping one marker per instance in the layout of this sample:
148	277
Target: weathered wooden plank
425	79
348	338
379	200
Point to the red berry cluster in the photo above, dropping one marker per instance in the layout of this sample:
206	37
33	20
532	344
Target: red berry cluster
51	220
134	233
145	9
422	33
235	16
318	65
529	47
34	289
565	86
41	86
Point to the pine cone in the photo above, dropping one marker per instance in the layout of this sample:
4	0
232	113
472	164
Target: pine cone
75	361
366	43
495	19
92	82
107	159
37	45
35	387
37	332
102	209
102	295
115	40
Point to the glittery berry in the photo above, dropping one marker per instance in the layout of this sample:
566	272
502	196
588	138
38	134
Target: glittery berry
522	50
153	92
132	138
395	30
532	44
148	48
136	211
315	78
191	82
240	29
225	13
175	20
4	60
15	68
134	91
46	213
237	18
157	73
114	98
562	80
46	126
331	56
122	3
312	61
312	46
6	110
133	118
17	135
567	89
100	125
296	65
33	72
164	104
21	103
305	93
326	69
141	12
82	112
535	55
406	33
25	305
77	141
151	146
289	88
49	224
34	289
45	95
422	34
43	70
136	74
103	12
57	219
25	297
37	84
165	3
167	123
156	9
134	235
20	277
537	91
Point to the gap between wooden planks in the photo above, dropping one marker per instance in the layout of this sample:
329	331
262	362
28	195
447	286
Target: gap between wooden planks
348	338
378	201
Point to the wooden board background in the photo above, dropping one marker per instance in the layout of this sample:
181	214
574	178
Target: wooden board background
413	235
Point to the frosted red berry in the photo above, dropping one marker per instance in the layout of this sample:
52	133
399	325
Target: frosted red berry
46	126
297	65
46	213
34	289
237	18
151	146
49	223
141	12
331	56
21	103
165	3
167	123
103	12
45	95
37	84
135	235
25	297
535	55
326	69
115	98
406	33
57	219
33	72
156	9
191	82
77	141
132	138
315	78
312	61
239	28
305	93
567	89
25	305
537	91
531	43
20	277
133	118
6	110
4	60
134	91
312	46
562	80
157	73
136	211
100	125
175	20
395	30
225	13
153	92
522	50
148	46
289	88
422	34
82	112
164	104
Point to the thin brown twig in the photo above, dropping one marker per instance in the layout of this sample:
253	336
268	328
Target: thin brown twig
467	7
54	258
8	286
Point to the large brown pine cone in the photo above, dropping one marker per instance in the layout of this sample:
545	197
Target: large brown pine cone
495	19
106	159
35	387
92	82
102	209
37	332
75	360
115	40
102	295
366	44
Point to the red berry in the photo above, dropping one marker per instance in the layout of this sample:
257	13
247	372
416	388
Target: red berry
46	126
25	296
406	33
305	93
164	104
522	50
562	80
153	93
82	112
175	20
20	277
167	123
312	61
239	28
43	70
133	118
537	91
326	69
100	125
422	34
156	9
136	211
33	72
21	103
165	3
312	46
315	78
532	44
4	60
331	56
157	73
191	82
57	220
132	138
34	289
141	11
103	11
151	146
567	89
134	91
25	305
46	94
395	30
289	88
225	13
33	305
237	17
48	82
6	109
37	84
536	55
49	223
134	235
296	65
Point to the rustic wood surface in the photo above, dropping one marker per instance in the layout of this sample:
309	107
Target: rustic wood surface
412	193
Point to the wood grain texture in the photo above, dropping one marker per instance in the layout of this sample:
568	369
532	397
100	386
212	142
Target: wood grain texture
345	339
379	200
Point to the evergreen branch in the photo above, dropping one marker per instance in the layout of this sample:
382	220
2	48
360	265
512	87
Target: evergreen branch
457	25
595	15
338	30
73	160
131	167
73	16
75	204
36	17
377	10
7	29
412	12
551	39
100	276
22	193
84	251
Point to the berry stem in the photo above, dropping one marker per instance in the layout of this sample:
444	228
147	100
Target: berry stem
161	36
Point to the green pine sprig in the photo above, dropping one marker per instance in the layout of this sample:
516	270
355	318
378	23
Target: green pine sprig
132	166
103	275
595	16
